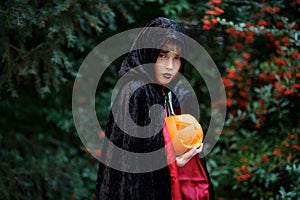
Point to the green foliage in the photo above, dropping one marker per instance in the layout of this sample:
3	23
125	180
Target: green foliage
43	159
36	172
40	41
261	77
175	8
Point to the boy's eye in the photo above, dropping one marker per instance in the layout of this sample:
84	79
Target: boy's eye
177	58
162	55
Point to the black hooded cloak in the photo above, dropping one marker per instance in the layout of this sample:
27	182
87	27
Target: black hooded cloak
133	103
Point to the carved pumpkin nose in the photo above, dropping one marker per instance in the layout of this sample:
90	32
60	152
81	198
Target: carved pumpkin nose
185	132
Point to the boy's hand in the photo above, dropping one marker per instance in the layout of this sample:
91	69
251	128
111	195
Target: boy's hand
184	158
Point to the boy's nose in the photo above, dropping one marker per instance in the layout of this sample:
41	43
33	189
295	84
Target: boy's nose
169	64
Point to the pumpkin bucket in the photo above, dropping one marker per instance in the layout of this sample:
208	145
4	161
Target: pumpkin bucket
185	132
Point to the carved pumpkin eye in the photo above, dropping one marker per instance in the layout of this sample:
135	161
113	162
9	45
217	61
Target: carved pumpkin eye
181	125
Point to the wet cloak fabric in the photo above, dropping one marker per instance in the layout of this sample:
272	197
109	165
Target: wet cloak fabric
130	125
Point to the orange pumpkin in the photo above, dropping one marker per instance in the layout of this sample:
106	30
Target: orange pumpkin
185	132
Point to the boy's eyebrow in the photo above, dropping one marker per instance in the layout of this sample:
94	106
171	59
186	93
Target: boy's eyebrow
164	51
167	51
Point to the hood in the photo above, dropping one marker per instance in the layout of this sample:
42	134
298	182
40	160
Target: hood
140	60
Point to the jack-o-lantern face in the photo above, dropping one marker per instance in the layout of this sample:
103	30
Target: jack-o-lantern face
185	132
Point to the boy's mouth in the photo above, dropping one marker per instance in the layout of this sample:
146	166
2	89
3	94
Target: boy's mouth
167	75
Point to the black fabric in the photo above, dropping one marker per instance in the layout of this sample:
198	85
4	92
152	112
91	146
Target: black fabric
155	184
113	184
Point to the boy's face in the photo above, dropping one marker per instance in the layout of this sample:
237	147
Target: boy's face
168	64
